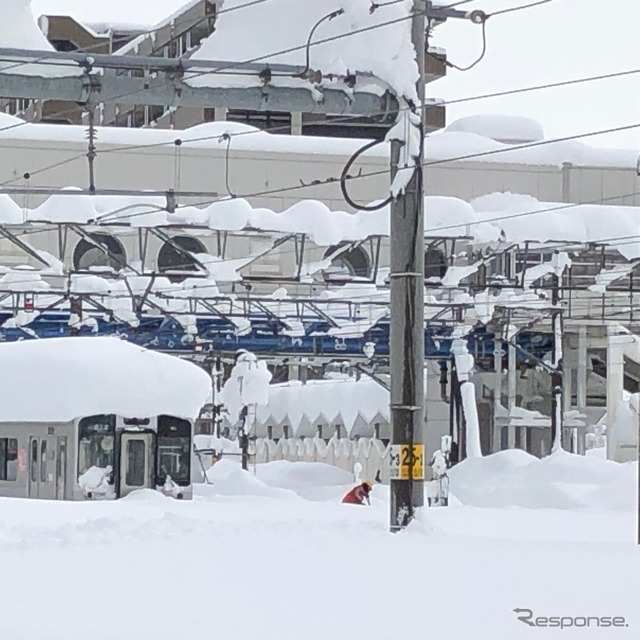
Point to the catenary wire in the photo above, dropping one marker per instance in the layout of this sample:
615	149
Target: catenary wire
277	128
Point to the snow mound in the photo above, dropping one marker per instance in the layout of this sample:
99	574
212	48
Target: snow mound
295	475
501	128
230	480
313	481
146	495
560	481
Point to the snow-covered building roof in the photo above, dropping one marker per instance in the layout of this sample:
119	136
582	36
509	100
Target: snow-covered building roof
441	146
378	42
502	128
61	379
19	30
141	13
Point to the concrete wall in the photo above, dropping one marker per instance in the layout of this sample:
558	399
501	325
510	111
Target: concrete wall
203	168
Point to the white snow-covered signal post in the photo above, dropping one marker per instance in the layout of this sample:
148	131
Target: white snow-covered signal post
407	282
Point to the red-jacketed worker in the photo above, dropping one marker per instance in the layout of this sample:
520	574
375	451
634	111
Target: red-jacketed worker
359	494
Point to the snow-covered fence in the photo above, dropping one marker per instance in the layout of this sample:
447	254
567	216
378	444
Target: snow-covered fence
370	453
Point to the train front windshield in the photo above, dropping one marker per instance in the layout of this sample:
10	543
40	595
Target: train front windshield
96	445
174	451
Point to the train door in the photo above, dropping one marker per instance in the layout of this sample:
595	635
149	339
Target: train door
61	468
47	467
137	461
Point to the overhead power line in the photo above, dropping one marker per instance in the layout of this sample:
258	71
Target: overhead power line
279	128
517	8
471	156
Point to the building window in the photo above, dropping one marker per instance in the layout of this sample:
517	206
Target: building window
278	121
435	265
101	251
63	45
179	258
8	459
350	264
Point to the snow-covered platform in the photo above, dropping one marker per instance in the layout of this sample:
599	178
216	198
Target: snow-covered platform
281	557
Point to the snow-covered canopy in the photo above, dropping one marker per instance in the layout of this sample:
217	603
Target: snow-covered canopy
504	217
61	379
310	217
328	402
519	218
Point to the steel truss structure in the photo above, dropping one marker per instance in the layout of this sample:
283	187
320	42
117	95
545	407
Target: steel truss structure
315	321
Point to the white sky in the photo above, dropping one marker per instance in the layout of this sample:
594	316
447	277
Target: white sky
558	41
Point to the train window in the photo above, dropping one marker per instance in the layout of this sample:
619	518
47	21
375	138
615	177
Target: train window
43	461
96	443
8	459
135	463
174	451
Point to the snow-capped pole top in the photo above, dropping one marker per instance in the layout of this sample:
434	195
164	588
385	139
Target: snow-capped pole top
62	379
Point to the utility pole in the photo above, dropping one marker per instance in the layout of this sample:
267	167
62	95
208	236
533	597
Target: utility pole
407	316
407	297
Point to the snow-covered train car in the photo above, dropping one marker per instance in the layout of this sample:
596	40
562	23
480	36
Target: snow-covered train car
95	418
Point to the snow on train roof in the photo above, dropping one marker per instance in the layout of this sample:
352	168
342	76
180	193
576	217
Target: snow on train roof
61	379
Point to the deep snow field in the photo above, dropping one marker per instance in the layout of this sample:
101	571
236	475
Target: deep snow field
277	556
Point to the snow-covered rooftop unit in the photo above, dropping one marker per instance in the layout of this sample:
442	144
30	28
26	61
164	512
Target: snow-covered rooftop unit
95	418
